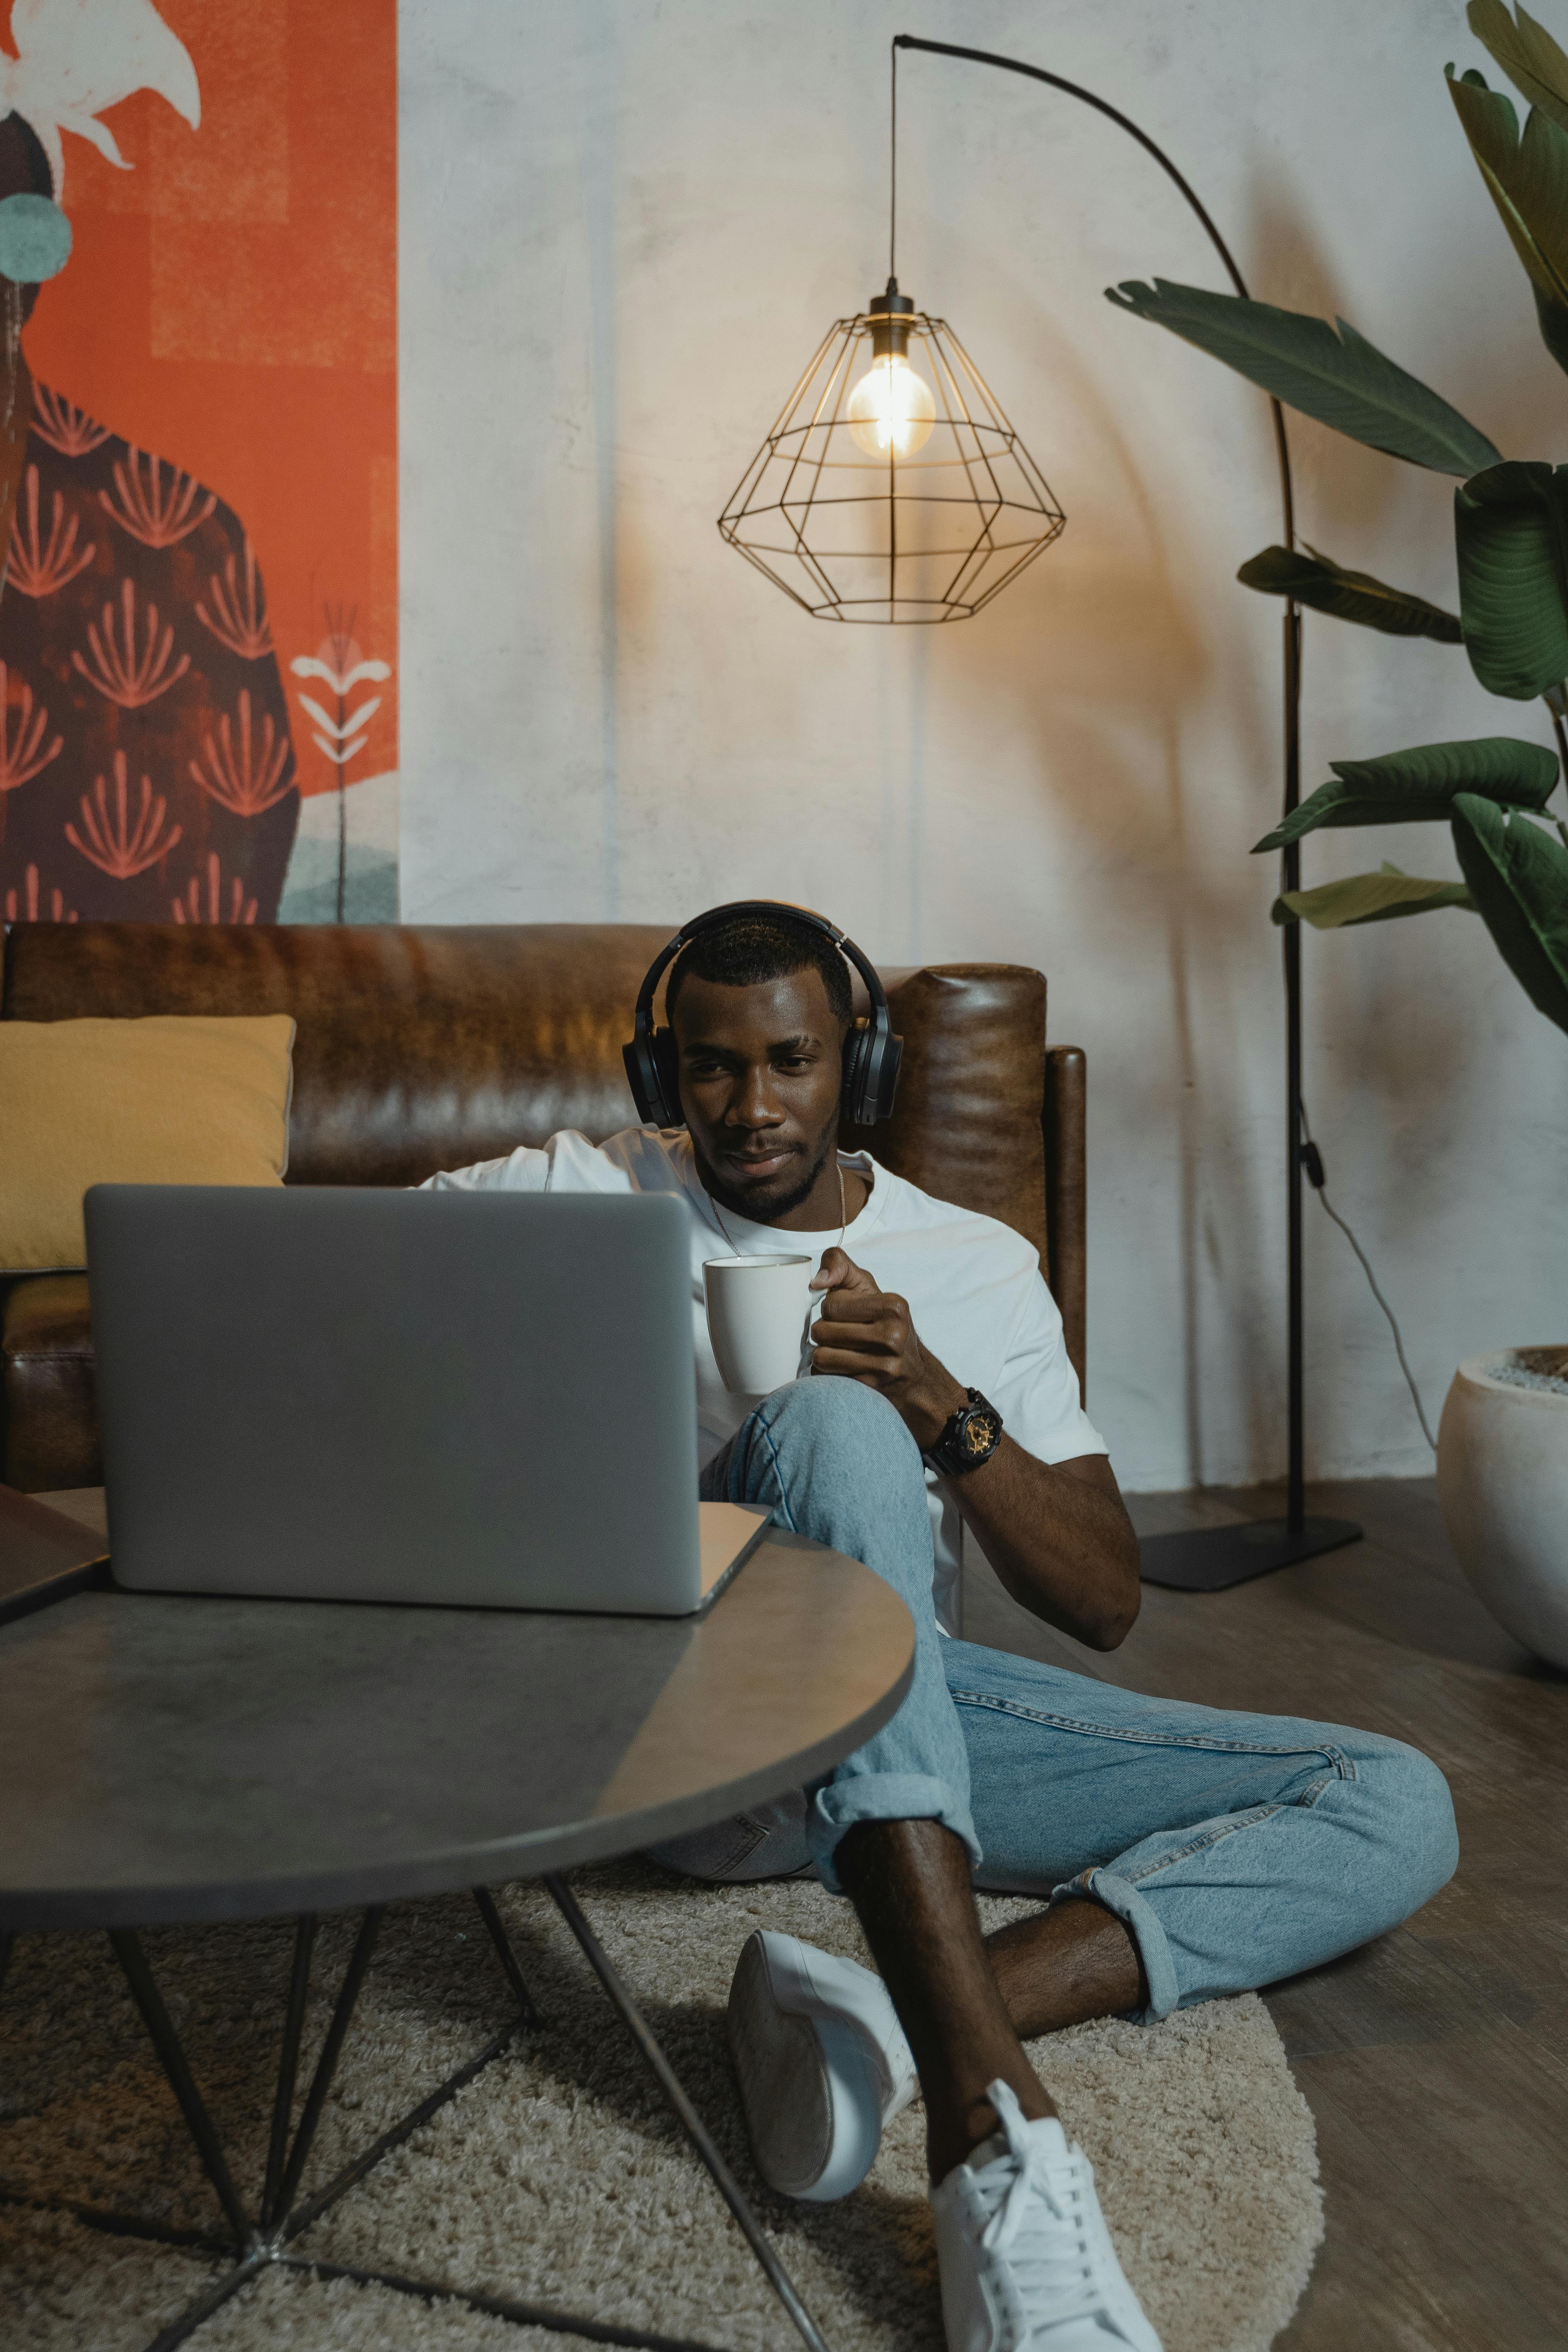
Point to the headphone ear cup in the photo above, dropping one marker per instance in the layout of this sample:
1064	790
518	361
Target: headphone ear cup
667	1110
871	1061
640	1076
885	1081
856	1048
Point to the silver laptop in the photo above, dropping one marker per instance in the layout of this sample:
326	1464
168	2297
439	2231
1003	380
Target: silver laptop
485	1399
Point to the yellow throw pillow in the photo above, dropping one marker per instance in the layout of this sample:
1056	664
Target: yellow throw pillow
162	1101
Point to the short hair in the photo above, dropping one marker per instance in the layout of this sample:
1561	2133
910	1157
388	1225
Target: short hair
751	949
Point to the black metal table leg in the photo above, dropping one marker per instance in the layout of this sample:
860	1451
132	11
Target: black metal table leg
166	2042
508	1957
691	2122
326	2065
288	2065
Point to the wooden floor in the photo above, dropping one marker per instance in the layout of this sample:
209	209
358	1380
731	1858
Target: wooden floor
1436	2060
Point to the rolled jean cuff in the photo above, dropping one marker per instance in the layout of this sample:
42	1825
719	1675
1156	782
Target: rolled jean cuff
1137	1915
881	1797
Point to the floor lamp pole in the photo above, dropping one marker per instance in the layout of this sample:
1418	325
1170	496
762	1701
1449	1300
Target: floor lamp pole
1209	1560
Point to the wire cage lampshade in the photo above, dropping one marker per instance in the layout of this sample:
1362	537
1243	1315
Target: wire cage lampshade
892	487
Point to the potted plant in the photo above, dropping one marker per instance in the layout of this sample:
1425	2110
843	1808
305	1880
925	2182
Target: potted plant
1502	1448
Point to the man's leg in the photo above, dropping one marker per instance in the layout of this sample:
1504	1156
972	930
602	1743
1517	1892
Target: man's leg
1227	1850
1022	2247
891	1827
834	1461
911	1887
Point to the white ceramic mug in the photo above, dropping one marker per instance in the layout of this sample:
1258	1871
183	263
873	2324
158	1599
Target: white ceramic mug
757	1313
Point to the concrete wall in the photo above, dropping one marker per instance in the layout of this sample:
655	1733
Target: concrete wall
624	225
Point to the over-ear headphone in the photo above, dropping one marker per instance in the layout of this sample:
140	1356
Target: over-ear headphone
871	1052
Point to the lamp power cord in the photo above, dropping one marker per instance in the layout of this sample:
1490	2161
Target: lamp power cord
1312	1165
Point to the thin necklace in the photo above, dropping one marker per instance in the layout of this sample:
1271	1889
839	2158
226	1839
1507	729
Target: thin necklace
843	1212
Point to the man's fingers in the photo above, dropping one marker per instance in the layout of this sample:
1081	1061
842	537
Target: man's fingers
839	1361
838	1272
869	1337
850	1304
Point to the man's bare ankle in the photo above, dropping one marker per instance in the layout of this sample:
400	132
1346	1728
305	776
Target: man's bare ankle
954	2132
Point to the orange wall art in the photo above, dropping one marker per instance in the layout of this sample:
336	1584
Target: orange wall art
198	461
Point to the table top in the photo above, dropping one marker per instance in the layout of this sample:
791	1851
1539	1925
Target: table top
180	1757
48	1550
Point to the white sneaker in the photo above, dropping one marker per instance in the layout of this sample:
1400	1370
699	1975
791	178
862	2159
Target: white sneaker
823	2064
1026	2261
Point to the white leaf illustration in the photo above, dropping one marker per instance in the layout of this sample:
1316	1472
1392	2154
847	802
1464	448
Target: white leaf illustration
307	666
338	758
356	720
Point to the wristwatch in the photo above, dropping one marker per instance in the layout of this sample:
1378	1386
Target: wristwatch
970	1437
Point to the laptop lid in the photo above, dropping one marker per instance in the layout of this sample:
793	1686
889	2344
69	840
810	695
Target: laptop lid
345	1393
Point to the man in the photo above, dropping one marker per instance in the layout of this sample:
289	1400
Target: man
1180	1852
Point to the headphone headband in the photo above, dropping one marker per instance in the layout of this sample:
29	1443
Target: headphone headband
871	1052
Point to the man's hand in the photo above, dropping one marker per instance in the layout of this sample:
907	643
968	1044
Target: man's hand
869	1335
1057	1534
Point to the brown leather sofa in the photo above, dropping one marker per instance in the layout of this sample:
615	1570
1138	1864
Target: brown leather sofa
424	1048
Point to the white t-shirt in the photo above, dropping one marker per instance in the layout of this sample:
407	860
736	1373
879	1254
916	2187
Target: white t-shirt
974	1288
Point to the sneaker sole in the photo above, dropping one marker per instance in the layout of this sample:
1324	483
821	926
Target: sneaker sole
809	2090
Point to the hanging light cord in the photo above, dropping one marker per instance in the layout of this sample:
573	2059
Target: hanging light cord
893	169
1312	1164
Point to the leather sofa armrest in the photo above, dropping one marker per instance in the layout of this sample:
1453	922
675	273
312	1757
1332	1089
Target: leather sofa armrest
1065	1120
51	1389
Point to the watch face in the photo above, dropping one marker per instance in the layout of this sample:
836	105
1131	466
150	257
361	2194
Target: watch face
979	1434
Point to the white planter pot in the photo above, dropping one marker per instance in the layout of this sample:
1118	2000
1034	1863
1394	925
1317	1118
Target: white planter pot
1502	1481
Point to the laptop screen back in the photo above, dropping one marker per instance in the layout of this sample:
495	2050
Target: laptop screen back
476	1399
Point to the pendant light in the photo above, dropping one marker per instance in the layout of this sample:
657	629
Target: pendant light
892	486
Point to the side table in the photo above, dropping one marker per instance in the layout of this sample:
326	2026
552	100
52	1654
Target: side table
242	1760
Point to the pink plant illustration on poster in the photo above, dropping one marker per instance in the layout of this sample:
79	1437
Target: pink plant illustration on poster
22	731
242	621
122	842
212	906
37	568
63	426
29	905
241	775
160	510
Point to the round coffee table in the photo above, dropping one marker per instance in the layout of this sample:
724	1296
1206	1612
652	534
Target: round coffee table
177	1760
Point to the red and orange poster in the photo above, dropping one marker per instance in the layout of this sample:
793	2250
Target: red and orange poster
198	619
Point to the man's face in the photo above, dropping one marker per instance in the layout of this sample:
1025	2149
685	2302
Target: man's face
760	1075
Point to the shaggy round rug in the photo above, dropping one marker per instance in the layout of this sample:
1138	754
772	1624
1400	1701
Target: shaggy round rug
558	2175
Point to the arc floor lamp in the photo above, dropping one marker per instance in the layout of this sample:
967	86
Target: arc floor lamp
903	494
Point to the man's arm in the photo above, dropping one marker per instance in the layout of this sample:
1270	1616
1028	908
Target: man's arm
1058	1534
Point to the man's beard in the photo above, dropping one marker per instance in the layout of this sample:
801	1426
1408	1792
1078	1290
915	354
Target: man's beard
767	1209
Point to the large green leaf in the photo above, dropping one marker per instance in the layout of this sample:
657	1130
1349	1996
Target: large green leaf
1554	323
1341	380
1526	54
1510	526
1528	182
1367	898
1317	580
1519	879
1416	786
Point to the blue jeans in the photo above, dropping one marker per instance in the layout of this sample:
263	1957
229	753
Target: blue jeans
1237	1848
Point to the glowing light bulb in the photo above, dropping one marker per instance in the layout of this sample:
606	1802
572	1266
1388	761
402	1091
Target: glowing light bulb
891	411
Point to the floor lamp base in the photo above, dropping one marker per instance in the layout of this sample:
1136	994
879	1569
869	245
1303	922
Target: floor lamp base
1211	1559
